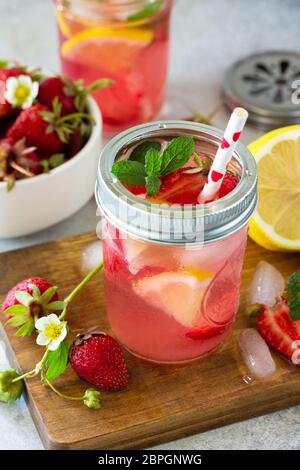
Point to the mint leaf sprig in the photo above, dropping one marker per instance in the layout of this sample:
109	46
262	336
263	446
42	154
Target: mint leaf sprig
148	10
146	165
292	294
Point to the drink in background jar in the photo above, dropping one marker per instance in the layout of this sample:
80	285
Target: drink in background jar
126	41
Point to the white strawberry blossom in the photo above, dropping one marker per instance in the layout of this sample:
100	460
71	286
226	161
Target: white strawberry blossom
21	91
52	331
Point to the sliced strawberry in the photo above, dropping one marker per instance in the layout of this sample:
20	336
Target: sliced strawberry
278	329
136	190
229	182
181	188
205	332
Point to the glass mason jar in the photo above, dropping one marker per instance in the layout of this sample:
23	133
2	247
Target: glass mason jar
126	41
172	273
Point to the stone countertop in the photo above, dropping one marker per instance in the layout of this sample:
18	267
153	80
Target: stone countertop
207	36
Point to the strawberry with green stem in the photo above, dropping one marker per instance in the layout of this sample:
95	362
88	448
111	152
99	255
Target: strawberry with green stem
47	129
71	95
53	362
29	300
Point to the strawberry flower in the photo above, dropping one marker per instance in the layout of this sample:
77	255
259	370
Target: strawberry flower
51	330
21	91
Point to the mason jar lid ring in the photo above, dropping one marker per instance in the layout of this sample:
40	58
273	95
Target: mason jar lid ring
175	225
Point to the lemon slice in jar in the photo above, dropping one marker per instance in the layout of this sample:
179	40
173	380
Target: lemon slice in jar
113	49
276	223
177	293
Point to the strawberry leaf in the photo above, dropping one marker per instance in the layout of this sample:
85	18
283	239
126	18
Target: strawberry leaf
139	152
57	361
56	160
36	293
48	294
23	297
152	184
26	329
17	321
10	182
132	173
152	162
56	305
16	310
293	295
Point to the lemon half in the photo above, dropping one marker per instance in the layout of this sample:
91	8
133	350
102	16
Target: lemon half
276	223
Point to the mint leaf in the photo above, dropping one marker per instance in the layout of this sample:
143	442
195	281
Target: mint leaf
147	10
139	152
132	173
152	162
176	154
57	361
152	185
293	295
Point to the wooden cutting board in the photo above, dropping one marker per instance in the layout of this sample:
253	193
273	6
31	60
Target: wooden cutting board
161	403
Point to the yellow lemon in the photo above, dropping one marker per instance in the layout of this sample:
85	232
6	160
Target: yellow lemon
276	223
115	49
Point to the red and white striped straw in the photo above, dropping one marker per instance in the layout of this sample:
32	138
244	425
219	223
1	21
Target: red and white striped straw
224	153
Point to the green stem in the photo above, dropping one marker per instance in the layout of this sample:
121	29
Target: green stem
67	397
98	84
71	117
34	372
78	288
39	366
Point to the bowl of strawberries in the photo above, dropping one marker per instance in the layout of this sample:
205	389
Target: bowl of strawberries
50	141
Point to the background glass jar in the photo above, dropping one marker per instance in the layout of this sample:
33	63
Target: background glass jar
172	273
126	41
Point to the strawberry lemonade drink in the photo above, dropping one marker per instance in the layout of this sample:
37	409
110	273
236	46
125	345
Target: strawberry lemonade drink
126	41
172	266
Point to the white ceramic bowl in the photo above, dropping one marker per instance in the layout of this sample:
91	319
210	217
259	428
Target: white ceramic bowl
43	200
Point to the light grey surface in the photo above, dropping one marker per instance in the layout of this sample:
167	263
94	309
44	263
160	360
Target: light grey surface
207	35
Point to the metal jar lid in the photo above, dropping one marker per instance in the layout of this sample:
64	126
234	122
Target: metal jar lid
264	84
175	224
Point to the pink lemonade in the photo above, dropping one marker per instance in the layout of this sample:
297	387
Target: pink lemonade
170	302
118	42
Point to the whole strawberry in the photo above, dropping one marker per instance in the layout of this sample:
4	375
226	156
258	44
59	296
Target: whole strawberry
98	359
5	107
32	125
57	87
28	300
